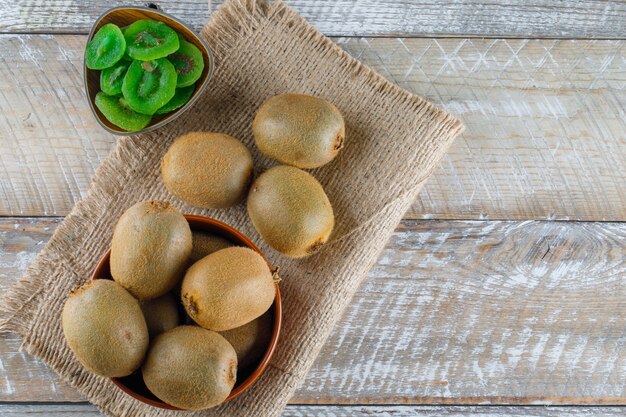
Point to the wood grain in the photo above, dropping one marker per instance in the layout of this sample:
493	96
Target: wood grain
88	410
546	129
510	18
545	138
458	312
50	143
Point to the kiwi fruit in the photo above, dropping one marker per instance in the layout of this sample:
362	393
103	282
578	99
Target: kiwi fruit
299	130
205	244
290	210
161	314
150	247
228	289
251	340
104	327
190	368
208	170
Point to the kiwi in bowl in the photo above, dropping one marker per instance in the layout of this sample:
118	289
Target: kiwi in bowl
266	331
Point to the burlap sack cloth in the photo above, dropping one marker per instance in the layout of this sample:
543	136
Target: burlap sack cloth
394	141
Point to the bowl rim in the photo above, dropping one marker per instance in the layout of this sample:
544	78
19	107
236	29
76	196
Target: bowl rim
276	328
177	112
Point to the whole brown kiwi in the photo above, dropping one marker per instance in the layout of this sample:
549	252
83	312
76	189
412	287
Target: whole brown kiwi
190	368
104	327
205	244
150	247
209	170
290	210
161	314
299	130
251	340
228	289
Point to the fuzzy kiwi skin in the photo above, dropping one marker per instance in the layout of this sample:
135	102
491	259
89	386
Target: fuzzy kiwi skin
208	170
290	210
228	289
251	340
299	130
150	248
161	314
104	327
190	368
205	244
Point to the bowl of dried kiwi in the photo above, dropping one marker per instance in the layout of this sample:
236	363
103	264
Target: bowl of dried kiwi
143	68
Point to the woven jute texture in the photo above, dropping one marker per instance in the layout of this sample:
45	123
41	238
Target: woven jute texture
394	140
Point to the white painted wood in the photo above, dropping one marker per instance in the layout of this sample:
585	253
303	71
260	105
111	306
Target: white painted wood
502	18
50	144
458	312
545	124
510	18
490	312
545	138
88	410
454	312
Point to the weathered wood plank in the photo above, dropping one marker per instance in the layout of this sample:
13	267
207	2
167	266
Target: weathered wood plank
545	137
50	143
511	18
453	312
546	131
88	410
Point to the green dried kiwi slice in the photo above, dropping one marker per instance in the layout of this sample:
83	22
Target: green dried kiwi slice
111	78
149	85
106	48
150	39
189	63
126	57
181	97
117	111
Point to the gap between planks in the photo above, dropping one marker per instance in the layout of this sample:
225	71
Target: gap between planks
299	410
433	36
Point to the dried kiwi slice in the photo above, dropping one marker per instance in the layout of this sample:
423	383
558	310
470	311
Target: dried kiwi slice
117	111
181	97
106	48
150	39
111	78
126	57
189	63
149	85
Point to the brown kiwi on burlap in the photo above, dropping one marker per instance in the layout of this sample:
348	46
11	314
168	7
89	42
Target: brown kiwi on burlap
394	140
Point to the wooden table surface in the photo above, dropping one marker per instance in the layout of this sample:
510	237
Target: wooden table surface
504	289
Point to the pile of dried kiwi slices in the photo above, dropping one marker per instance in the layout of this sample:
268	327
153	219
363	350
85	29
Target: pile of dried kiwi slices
146	68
